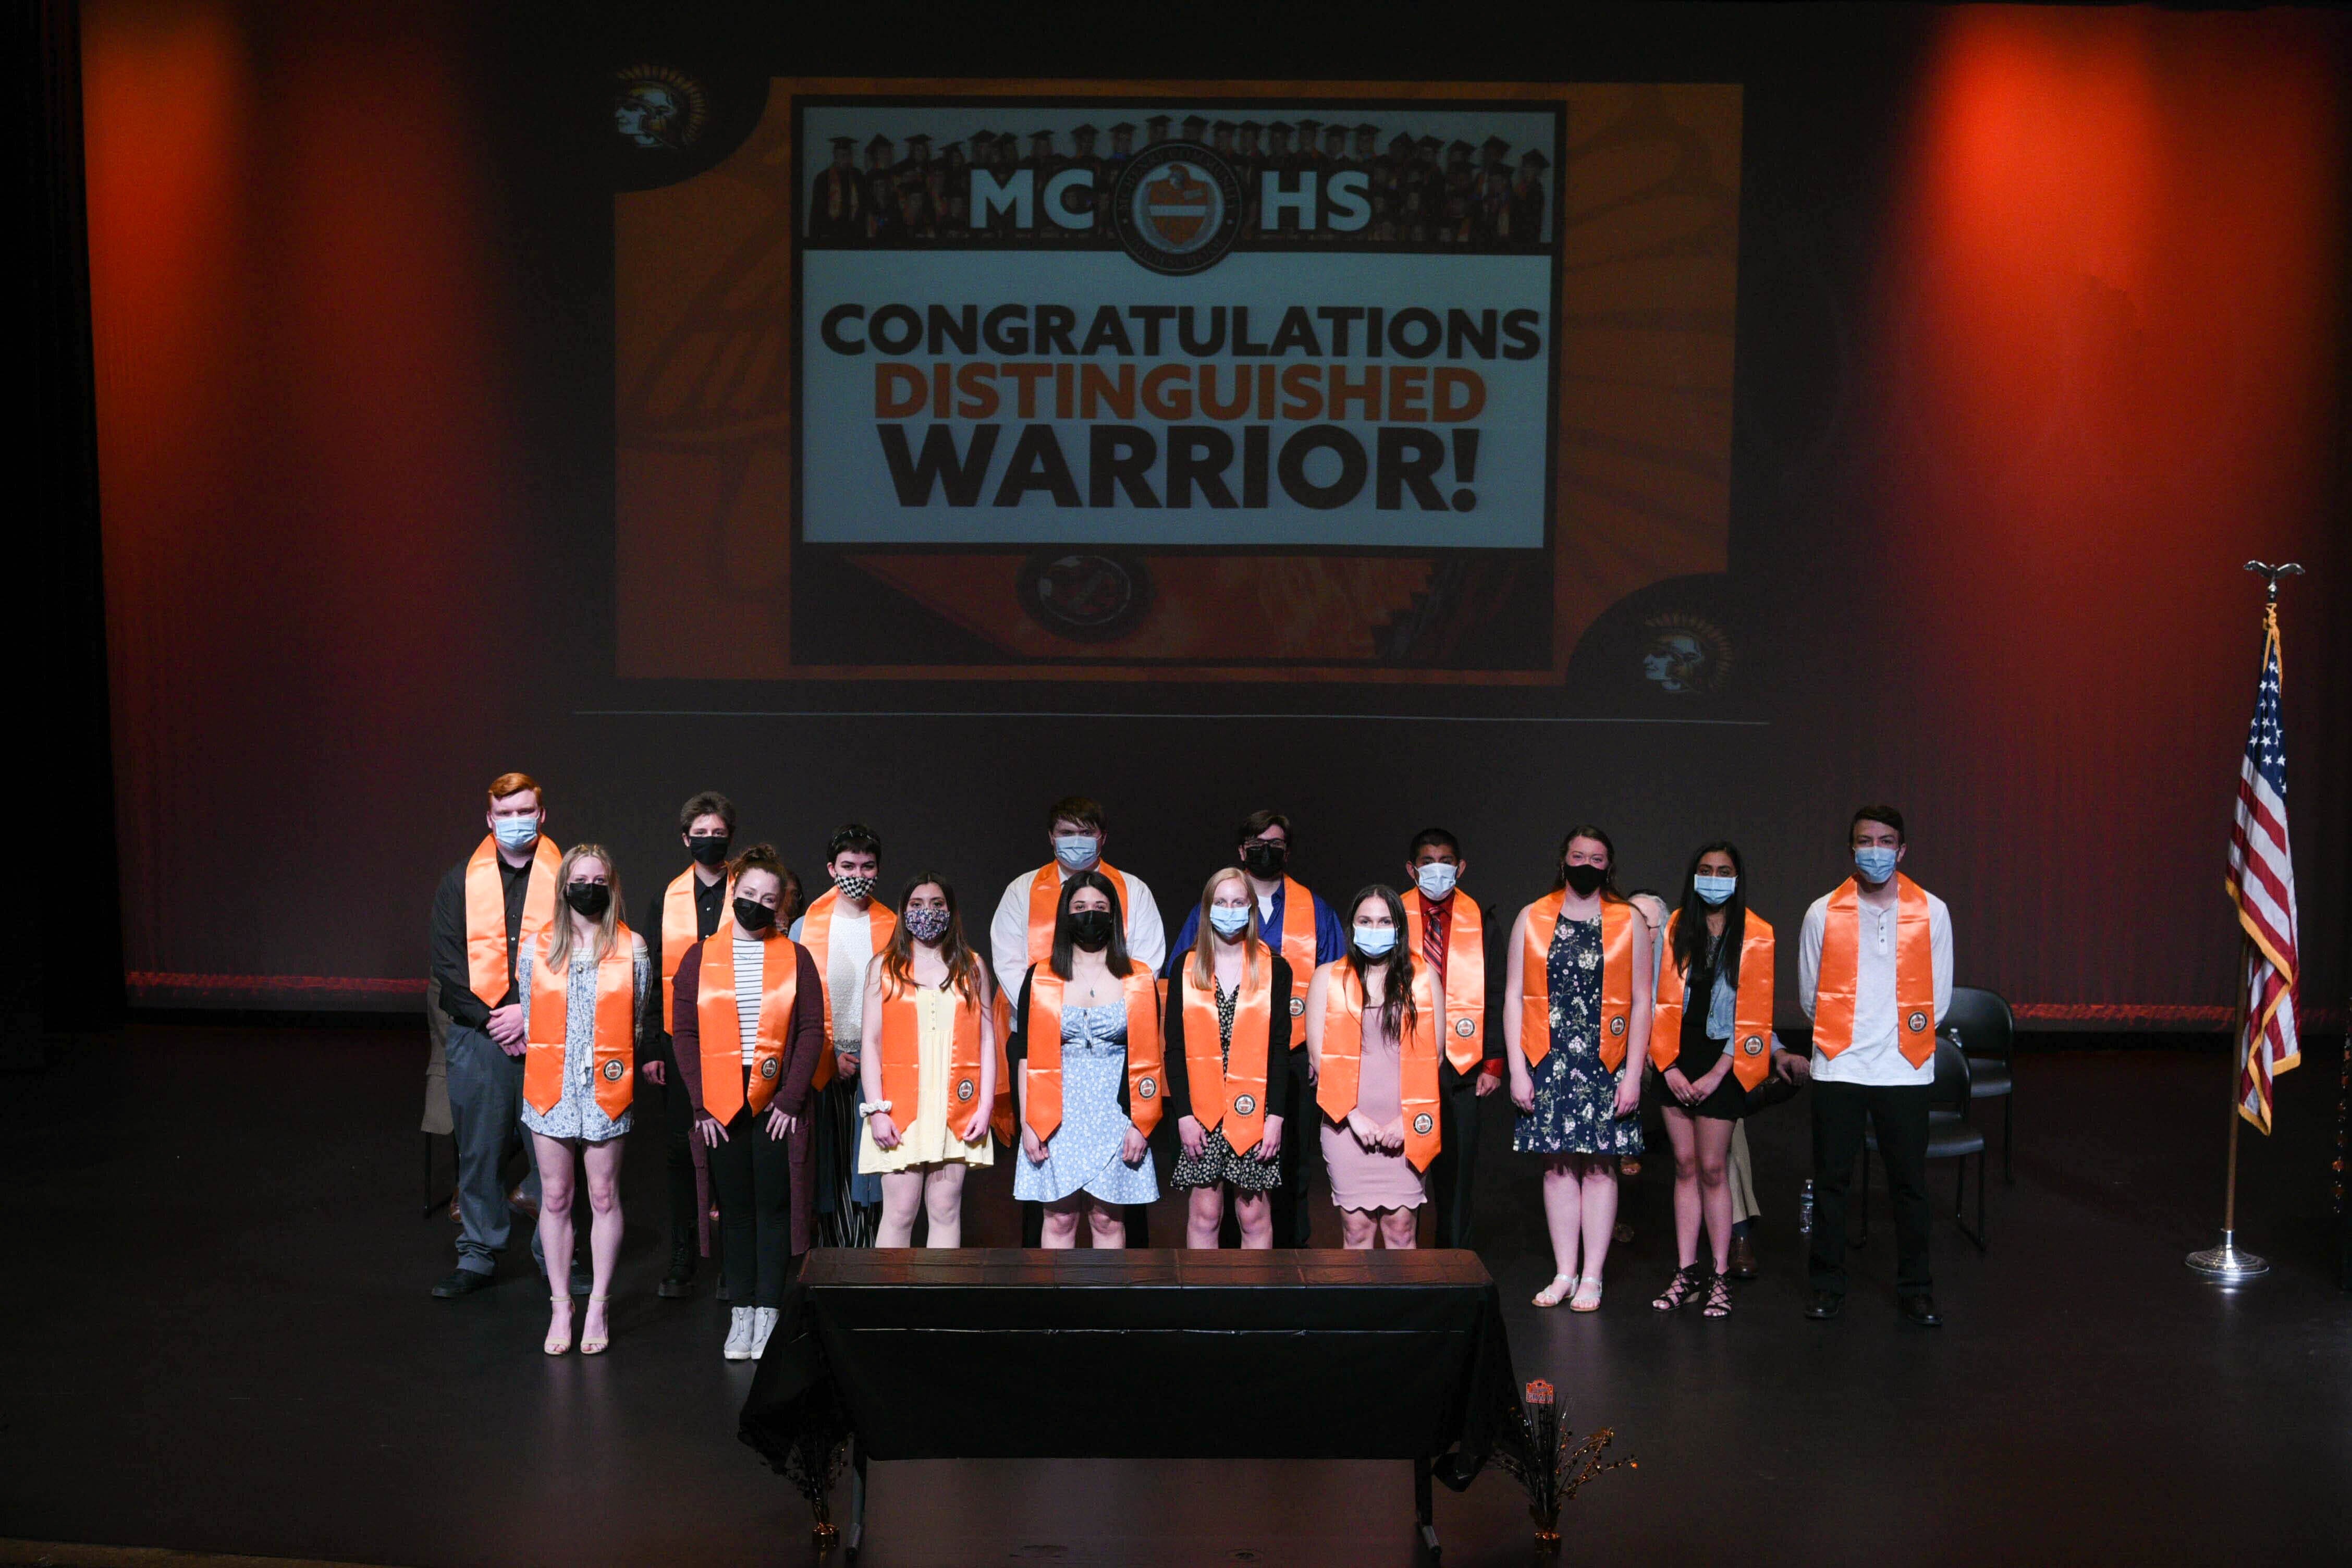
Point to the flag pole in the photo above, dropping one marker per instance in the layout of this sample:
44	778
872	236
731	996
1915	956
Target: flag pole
2227	1264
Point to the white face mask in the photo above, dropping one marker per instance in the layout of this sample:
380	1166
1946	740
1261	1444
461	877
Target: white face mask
1374	942
1436	879
1076	851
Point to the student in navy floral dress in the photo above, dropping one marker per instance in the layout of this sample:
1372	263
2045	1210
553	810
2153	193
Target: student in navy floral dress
1575	1110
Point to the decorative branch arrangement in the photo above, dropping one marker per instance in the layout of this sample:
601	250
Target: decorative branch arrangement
1552	1462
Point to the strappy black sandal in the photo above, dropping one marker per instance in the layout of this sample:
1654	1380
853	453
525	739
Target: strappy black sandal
1680	1290
1718	1297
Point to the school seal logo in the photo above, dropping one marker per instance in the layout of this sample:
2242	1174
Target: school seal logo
1244	1104
1465	1027
1148	1088
768	1066
1916	1023
1616	1025
615	1072
1422	1124
966	1088
1177	208
1298	1007
1753	1044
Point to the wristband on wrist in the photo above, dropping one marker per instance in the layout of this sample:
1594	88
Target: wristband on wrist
865	1111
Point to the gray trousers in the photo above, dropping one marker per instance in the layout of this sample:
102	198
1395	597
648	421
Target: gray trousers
484	1104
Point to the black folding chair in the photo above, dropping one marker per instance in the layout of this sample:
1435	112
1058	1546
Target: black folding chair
1986	1031
1950	1136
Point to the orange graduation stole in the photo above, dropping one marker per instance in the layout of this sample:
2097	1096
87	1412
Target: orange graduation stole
1343	1051
816	935
1465	973
1046	903
897	1037
680	929
1296	938
1229	1085
722	1028
485	913
1752	1030
1144	1052
1914	972
1616	979
615	1037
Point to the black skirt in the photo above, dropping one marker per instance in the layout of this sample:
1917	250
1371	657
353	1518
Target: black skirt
1698	1054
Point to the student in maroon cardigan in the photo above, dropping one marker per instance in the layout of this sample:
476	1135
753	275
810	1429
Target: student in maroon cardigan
760	1153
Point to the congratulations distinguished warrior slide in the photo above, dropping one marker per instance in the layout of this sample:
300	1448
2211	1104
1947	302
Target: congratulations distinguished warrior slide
1123	380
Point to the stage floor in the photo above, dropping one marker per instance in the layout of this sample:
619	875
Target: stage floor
218	1339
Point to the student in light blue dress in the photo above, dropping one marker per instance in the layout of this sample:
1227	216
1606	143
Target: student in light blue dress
1093	1158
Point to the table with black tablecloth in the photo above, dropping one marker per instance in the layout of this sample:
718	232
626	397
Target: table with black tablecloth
1403	1354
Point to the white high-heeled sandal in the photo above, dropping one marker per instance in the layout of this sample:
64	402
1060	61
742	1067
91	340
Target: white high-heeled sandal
553	1346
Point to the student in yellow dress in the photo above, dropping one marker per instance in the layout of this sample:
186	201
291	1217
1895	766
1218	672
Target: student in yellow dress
928	1073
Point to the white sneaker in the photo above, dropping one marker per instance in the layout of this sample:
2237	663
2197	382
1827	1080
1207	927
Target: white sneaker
739	1334
763	1323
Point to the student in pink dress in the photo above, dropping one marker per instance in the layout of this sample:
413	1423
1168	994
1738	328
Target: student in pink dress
1374	1021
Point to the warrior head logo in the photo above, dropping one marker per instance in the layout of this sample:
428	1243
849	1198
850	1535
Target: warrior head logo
659	106
1685	654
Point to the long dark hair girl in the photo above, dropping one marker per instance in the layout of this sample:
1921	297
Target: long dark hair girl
1065	936
1691	936
1397	1012
1609	892
897	959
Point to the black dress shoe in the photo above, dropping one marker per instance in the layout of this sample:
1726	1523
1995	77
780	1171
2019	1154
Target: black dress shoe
1921	1310
679	1282
1825	1304
722	1293
460	1282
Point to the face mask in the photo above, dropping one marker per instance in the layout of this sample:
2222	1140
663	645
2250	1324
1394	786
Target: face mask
516	832
1876	863
1090	929
1374	942
1715	889
1585	880
1436	879
708	850
589	900
1228	920
855	887
1267	860
1078	850
927	924
754	915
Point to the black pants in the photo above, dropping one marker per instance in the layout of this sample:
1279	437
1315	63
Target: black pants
678	1161
1451	1175
1899	1117
753	1173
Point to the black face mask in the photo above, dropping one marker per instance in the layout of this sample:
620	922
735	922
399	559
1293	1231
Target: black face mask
1585	880
588	899
1090	929
754	915
708	850
1265	860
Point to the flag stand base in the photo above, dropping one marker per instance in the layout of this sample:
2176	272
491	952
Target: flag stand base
2226	1264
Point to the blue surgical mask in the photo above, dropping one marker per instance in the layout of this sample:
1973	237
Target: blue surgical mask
1436	879
1716	890
1228	920
516	832
1876	862
1078	850
1374	942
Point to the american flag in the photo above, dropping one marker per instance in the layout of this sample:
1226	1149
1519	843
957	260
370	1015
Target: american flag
2262	884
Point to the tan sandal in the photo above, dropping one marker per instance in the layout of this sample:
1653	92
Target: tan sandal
555	1346
598	1347
1552	1295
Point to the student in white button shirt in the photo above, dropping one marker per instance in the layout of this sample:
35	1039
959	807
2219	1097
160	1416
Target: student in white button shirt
1884	1074
1022	933
848	1205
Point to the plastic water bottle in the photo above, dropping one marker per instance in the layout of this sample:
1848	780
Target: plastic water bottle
1805	1209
